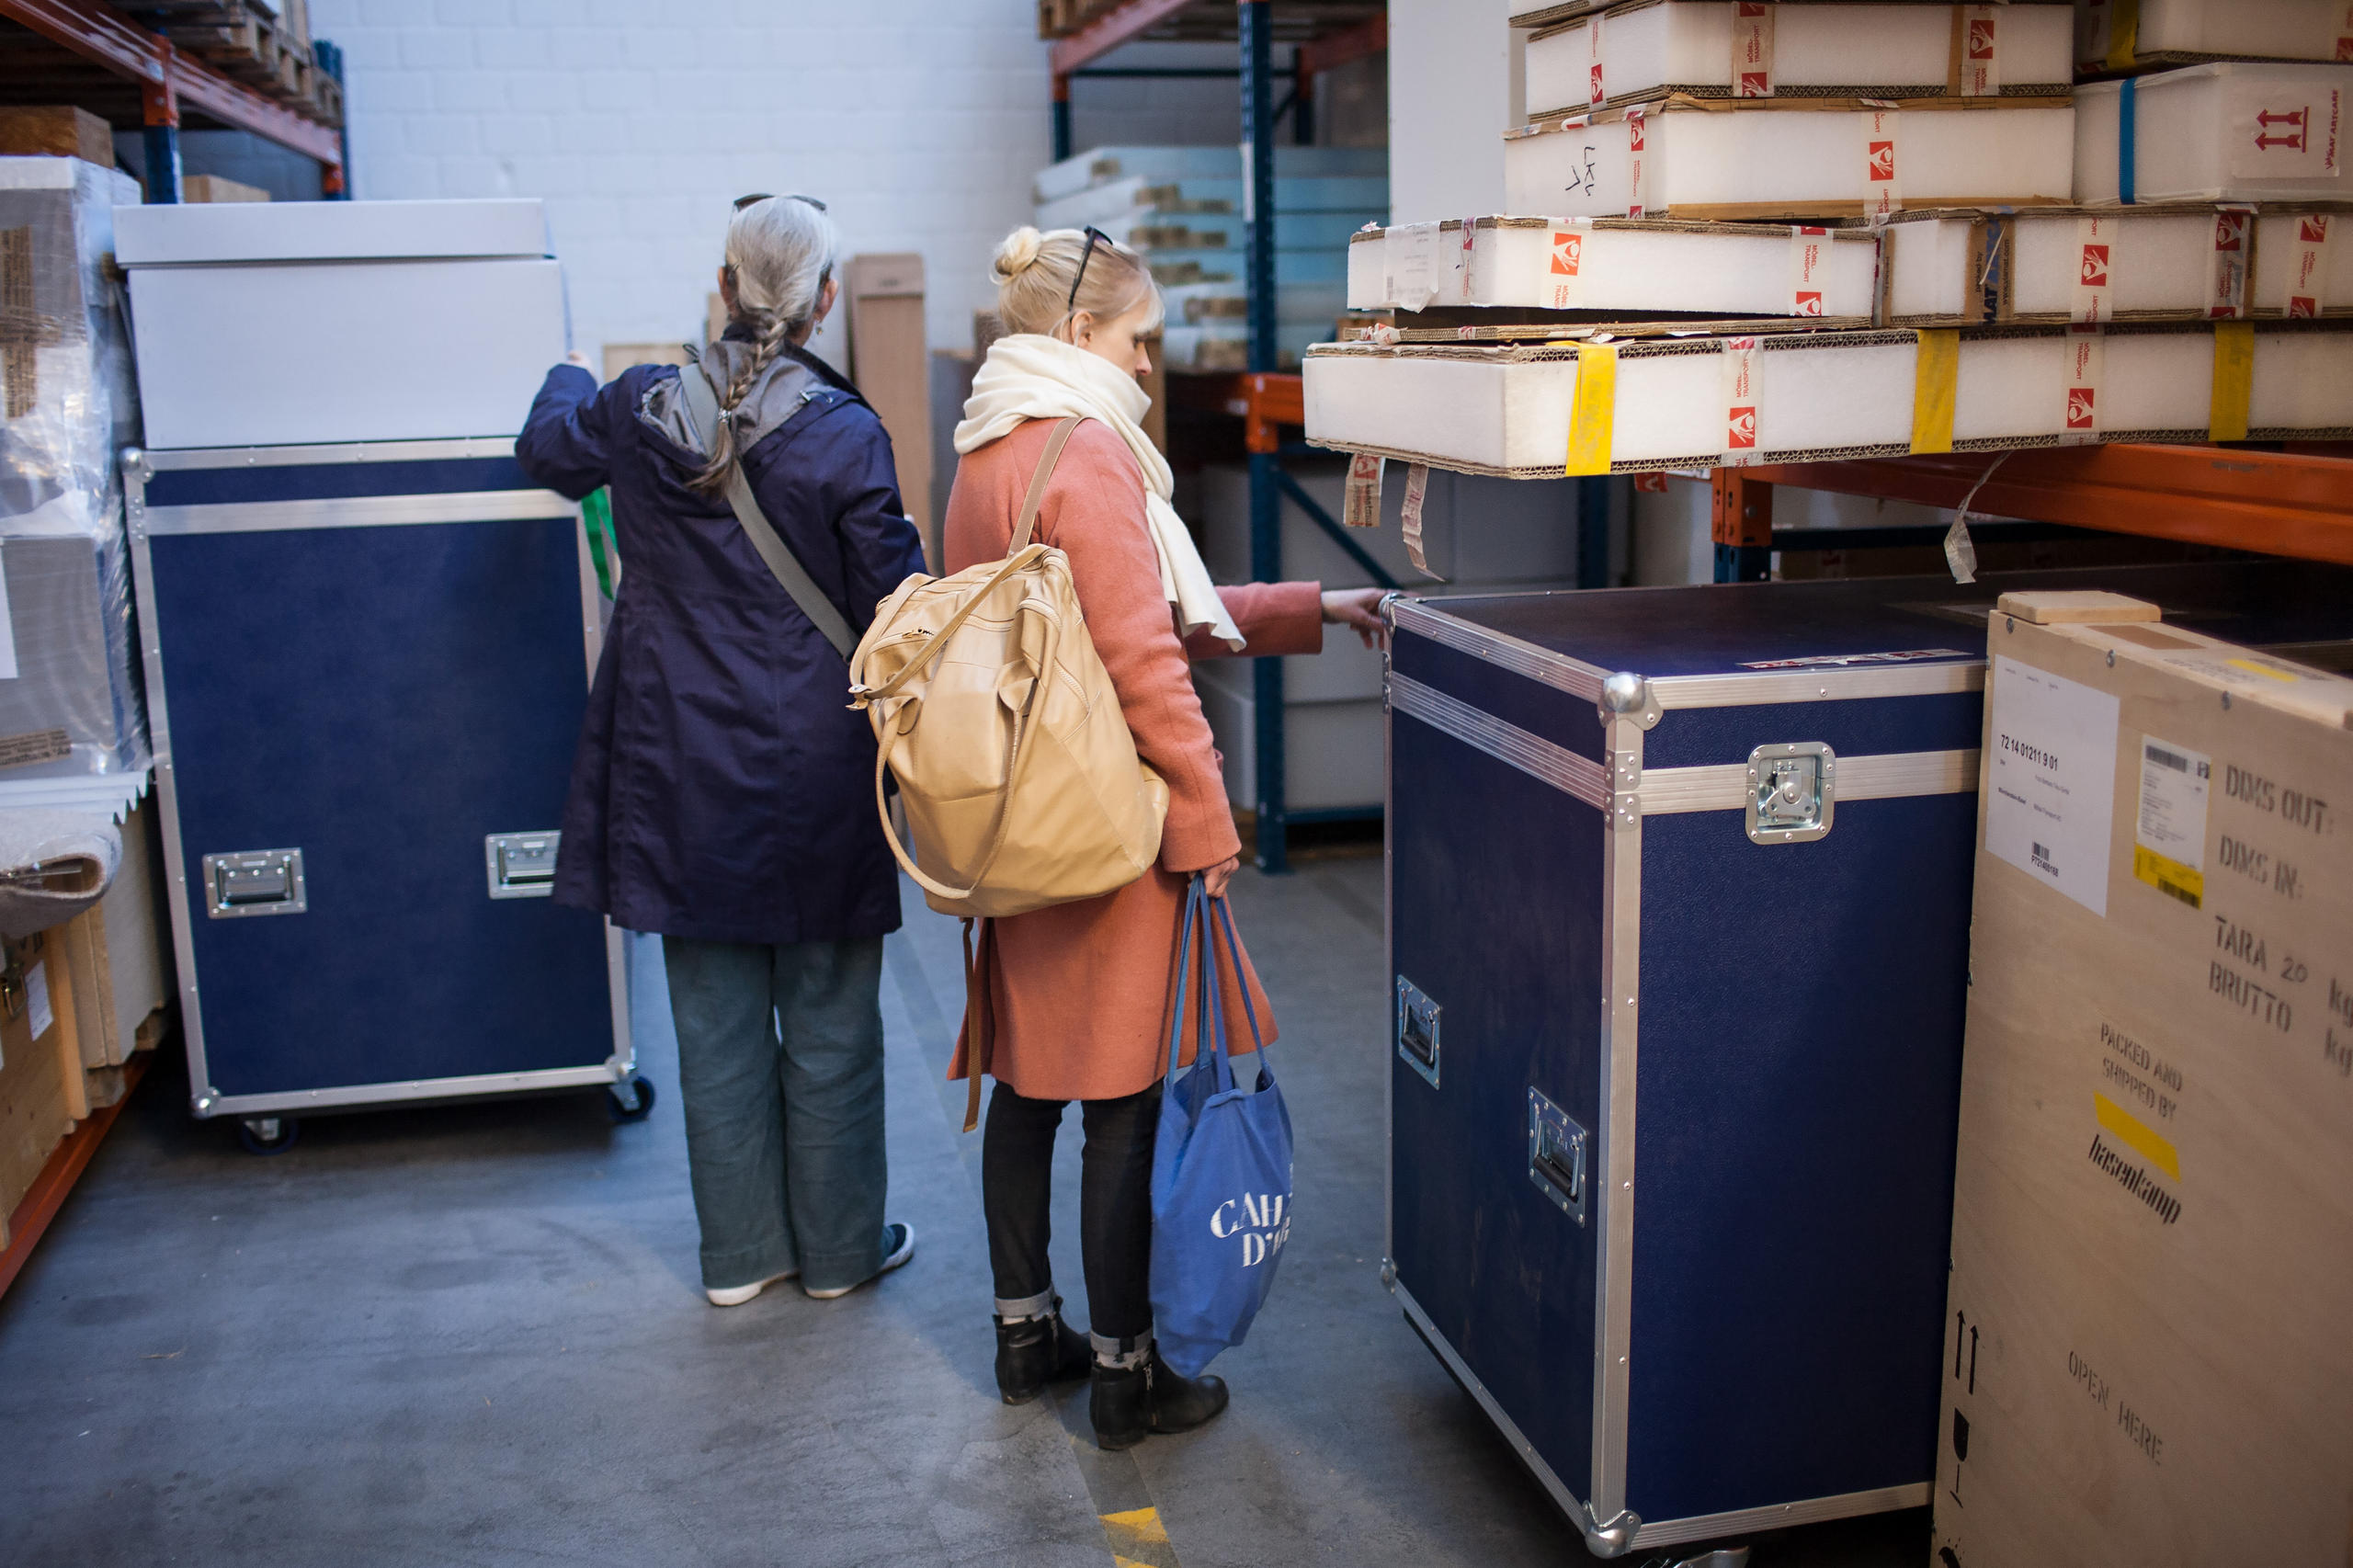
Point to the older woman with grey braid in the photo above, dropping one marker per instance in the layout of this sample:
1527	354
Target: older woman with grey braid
722	793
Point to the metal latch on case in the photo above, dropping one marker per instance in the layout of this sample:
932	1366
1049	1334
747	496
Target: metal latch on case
1792	791
1556	1155
1417	1039
254	881
521	865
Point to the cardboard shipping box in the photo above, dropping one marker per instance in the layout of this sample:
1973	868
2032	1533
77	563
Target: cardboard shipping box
2148	1360
883	298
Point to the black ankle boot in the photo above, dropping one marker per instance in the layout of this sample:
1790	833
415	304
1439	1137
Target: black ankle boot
1033	1352
1130	1402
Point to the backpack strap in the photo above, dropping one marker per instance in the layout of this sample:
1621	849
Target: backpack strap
1031	502
702	412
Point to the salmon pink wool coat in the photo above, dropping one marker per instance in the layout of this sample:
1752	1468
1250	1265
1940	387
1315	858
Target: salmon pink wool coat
1078	995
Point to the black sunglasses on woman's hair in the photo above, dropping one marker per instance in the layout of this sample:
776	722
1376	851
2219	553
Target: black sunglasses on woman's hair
744	201
1094	234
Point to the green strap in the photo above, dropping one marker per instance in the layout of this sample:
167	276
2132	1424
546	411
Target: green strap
597	517
702	411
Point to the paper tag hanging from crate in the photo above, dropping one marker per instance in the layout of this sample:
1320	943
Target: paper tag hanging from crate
1752	50
1418	483
2227	265
1360	502
2308	272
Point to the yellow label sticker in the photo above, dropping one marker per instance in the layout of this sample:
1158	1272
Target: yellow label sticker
1936	372
2130	1130
2226	418
2252	667
1594	413
2169	875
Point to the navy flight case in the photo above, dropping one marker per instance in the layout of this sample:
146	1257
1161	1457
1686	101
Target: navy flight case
366	668
1679	894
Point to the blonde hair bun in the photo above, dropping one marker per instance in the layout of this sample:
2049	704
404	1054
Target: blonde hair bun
1018	253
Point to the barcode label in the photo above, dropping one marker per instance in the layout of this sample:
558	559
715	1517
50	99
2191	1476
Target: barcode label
2041	852
2165	758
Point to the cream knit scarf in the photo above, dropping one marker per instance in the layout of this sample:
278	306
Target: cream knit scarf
1028	375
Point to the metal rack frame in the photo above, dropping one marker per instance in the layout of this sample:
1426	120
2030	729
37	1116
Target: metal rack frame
169	79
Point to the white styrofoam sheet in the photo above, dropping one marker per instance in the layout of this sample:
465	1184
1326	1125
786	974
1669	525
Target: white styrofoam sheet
1638	268
324	231
2221	132
2159	263
350	351
1792	162
1845	50
2238	29
1508	411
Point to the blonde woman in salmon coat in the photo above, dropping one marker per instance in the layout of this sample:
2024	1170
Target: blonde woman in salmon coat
1078	995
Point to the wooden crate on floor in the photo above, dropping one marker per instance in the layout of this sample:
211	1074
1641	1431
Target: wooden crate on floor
42	1091
121	953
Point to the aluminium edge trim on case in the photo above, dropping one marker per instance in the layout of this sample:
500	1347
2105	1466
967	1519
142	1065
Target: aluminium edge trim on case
138	465
1557	765
357	512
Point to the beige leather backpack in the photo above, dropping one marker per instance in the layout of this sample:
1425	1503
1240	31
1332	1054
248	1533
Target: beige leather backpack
1020	780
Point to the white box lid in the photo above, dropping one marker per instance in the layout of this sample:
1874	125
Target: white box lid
219	233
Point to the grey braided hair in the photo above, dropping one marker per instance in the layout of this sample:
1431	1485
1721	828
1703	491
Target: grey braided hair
780	252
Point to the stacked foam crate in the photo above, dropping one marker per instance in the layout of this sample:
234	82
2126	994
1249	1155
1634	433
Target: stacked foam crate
1185	209
1949	268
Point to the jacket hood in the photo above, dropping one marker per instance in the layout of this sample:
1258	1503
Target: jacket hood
793	380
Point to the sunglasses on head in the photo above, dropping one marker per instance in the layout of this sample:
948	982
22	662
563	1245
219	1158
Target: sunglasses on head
1094	236
744	201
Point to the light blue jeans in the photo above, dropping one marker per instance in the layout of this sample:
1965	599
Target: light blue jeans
780	1073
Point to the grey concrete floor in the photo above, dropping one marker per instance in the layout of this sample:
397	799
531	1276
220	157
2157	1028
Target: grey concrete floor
472	1335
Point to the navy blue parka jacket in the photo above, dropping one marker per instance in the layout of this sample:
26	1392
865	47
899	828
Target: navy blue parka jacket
723	789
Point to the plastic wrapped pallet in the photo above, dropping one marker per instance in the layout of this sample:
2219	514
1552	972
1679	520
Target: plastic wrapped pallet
1695	402
2221	132
1791	158
2082	265
2133	34
1586	57
2145	1362
69	702
1641	267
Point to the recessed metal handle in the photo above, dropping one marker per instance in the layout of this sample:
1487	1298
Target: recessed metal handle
1792	791
521	865
254	881
1418	1029
1556	1146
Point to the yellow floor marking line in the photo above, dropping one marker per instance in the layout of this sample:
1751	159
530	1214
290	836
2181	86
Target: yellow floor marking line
1138	1540
2130	1129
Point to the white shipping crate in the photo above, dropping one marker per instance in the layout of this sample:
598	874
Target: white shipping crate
2060	265
2221	132
337	321
1688	159
1633	265
1803	396
2127	35
1649	48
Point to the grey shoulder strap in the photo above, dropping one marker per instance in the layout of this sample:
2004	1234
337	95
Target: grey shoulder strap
702	412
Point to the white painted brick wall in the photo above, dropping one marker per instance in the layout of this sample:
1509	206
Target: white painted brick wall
920	123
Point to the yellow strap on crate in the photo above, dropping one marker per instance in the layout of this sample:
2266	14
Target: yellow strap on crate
1936	368
2234	381
1594	413
2123	33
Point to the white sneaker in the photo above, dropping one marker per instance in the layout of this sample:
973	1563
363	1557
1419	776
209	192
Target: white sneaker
736	1295
903	1247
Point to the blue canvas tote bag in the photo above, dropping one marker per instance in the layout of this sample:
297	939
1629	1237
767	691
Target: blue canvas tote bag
1222	1169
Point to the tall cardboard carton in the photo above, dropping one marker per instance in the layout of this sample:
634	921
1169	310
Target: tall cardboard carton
2150	1342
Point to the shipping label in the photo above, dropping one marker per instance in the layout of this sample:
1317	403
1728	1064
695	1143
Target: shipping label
1739	446
1981	54
2048	773
1411	252
2283	131
39	1012
2095	261
1637	155
1882	181
1752	50
1565	268
2228	266
35	745
2086	349
2307	275
1809	264
2170	830
1595	95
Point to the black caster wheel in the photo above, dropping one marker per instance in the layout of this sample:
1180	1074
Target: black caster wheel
269	1134
632	1101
